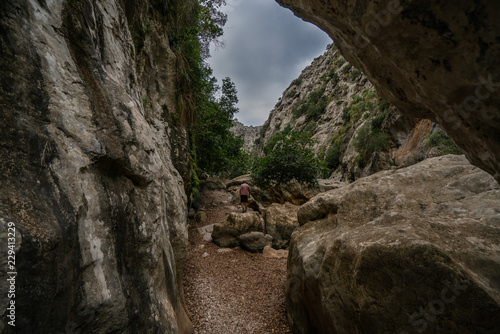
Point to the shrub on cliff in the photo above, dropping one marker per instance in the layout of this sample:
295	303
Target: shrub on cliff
442	142
367	141
313	107
332	158
288	157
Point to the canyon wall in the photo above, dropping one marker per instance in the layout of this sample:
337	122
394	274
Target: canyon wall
336	103
86	172
248	133
414	249
431	59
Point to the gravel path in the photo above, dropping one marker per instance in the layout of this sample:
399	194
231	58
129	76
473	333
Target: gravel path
231	290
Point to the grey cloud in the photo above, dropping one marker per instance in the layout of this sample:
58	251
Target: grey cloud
265	46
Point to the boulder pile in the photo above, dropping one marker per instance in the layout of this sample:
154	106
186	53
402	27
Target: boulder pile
406	251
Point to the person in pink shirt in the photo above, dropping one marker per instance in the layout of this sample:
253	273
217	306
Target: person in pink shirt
244	194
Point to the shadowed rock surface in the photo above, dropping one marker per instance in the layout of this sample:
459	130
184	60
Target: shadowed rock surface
86	172
281	221
255	241
431	59
402	251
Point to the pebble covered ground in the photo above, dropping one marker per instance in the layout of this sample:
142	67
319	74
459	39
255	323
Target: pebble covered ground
231	290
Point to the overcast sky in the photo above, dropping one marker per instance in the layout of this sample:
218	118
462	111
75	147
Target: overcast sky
266	48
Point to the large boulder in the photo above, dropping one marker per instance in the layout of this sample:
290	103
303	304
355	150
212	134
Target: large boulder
237	181
234	194
403	251
255	241
226	233
280	222
214	183
293	192
431	59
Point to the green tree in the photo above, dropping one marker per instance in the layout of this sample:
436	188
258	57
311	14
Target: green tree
442	142
332	158
193	26
211	23
218	149
229	97
288	157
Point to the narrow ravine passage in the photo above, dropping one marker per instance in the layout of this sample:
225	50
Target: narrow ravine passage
231	290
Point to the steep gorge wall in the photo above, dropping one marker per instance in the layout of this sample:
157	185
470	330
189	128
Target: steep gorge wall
334	101
86	172
395	274
431	59
248	133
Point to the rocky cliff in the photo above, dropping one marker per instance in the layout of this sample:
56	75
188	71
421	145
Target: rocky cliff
336	103
430	59
86	171
248	133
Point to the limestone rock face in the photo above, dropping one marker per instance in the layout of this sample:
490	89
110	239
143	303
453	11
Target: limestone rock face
226	233
248	133
352	104
86	173
432	60
281	221
402	251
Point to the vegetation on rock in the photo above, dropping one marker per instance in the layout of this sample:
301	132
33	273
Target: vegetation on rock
205	108
368	141
313	107
442	142
332	158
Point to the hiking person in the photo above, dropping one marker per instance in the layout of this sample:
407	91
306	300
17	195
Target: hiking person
244	194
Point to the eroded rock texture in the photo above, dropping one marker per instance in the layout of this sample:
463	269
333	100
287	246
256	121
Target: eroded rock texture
248	133
281	221
432	59
407	251
226	233
86	173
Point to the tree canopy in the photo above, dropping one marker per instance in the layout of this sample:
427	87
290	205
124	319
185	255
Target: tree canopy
288	157
218	149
